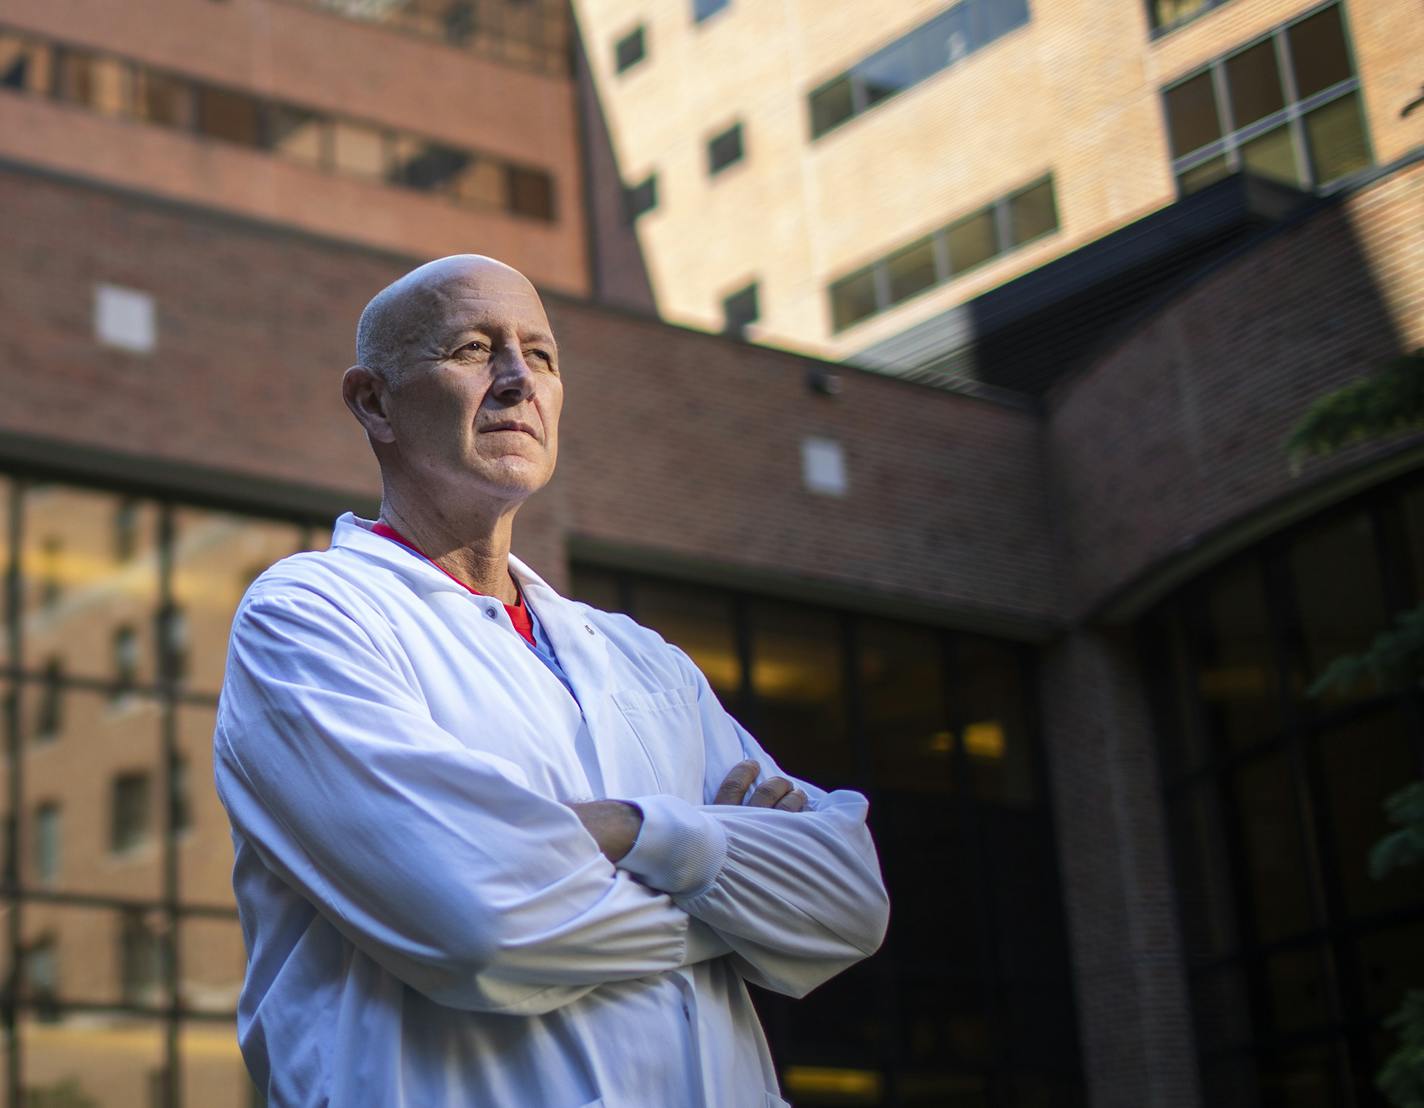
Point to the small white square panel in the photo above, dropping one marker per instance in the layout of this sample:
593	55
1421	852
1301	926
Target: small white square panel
823	466
125	318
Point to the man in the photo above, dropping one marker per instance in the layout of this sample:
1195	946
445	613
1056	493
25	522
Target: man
494	847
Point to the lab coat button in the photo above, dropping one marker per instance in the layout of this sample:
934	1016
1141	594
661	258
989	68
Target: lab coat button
490	613
587	628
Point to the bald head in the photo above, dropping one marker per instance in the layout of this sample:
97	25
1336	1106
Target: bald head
400	319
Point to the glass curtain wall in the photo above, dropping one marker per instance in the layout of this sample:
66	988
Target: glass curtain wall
1274	800
121	950
969	1002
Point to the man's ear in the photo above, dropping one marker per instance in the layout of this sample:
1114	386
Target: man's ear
365	393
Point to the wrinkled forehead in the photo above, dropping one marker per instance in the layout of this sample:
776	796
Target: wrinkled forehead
475	296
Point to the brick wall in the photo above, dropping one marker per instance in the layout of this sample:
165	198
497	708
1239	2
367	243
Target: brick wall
673	441
1176	432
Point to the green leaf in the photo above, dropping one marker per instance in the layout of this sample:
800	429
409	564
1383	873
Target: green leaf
1394	658
1389	400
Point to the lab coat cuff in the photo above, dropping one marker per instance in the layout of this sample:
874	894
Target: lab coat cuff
679	850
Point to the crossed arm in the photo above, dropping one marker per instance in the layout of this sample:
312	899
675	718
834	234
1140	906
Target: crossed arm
614	824
439	862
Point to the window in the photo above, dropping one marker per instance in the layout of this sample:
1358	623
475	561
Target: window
531	193
171	628
41	977
130	822
1007	224
49	719
181	800
934	46
1168	15
229	116
938	725
724	149
125	649
47	843
1274	798
740	310
629	50
25	65
142	957
705	9
1286	107
126	524
96	81
51	570
640	198
122	87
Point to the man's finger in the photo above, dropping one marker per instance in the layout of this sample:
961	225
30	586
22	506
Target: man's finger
794	801
735	785
770	792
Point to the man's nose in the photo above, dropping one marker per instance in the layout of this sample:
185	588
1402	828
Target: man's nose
514	381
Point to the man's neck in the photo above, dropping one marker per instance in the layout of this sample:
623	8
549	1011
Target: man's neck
474	551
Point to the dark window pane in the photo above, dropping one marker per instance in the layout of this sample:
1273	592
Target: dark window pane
724	149
700	622
531	193
640	198
1337	593
1192	120
16	66
1297	990
1414	523
797	678
1306	1078
1185	745
853	299
230	116
1273	156
143	955
131	820
972	241
428	166
992	710
740	310
1203	174
911	270
1389	963
1276	874
1363	764
831	105
1254	81
1032	213
997	17
1318	54
1336	135
1203	872
903	706
162	99
358	150
297	134
1222	1010
629	50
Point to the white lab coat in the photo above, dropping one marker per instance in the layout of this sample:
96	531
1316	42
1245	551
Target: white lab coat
428	924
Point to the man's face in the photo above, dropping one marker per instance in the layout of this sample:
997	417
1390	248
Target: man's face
476	409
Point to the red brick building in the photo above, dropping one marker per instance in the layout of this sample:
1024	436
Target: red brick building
1056	620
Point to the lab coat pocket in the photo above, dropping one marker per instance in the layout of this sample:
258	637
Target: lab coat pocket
668	726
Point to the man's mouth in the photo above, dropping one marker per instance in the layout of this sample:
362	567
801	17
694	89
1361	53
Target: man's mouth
510	425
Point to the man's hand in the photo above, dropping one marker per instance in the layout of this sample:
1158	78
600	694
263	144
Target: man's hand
614	825
774	792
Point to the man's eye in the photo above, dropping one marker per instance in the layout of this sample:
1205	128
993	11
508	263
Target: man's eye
474	347
542	355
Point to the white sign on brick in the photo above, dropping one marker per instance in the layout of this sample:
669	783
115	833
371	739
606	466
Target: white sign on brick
823	466
125	318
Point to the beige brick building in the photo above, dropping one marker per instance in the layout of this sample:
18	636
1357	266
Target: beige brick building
877	178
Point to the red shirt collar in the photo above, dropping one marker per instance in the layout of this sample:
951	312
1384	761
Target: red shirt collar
518	613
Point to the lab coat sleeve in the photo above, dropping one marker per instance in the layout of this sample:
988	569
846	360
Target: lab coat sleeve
430	857
797	896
